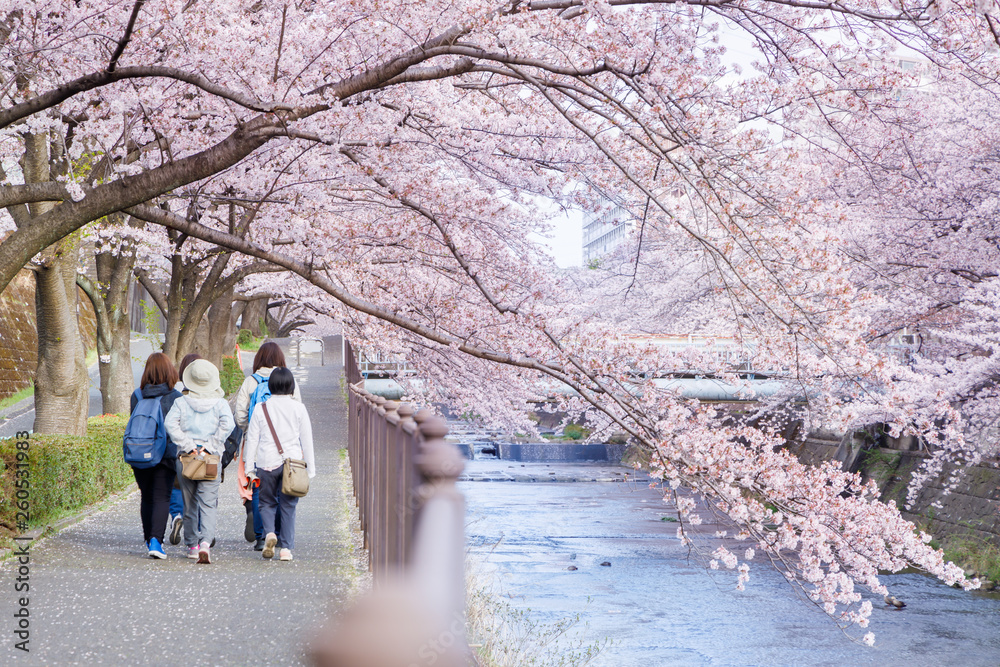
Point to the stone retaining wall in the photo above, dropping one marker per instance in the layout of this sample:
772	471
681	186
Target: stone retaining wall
19	338
961	501
971	508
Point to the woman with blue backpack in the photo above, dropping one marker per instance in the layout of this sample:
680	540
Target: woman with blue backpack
149	449
254	391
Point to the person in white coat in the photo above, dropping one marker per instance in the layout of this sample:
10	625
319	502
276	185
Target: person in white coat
268	357
264	463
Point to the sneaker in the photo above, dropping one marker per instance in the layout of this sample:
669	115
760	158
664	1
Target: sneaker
203	554
193	553
259	545
213	543
269	543
175	529
285	554
248	533
156	549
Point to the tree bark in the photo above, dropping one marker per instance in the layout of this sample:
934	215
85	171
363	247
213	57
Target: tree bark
110	300
61	383
221	329
117	381
255	317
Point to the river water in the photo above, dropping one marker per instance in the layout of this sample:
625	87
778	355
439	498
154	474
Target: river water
661	605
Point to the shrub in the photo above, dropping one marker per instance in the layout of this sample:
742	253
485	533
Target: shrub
231	375
576	432
244	338
66	472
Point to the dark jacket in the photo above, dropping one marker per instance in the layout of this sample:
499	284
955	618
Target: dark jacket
167	398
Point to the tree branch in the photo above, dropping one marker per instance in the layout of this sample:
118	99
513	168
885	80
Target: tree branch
93	292
123	42
152	288
462	66
29	193
44	230
313	276
104	78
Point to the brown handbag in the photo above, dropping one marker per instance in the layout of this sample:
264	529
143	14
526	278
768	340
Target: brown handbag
199	466
295	475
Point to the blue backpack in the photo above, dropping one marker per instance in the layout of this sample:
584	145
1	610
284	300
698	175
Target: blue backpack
145	440
260	393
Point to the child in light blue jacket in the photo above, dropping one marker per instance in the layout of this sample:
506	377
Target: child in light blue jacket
200	420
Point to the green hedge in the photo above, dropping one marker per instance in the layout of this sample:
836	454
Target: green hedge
66	472
231	376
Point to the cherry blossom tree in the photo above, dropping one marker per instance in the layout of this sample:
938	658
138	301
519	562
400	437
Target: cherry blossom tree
410	141
115	256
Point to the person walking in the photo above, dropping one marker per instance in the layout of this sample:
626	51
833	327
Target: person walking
155	482
200	421
265	462
176	497
255	390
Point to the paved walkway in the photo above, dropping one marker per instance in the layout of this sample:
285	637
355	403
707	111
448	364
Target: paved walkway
97	599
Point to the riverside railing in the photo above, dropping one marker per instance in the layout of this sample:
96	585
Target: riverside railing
413	521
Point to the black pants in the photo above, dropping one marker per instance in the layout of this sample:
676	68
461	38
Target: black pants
155	485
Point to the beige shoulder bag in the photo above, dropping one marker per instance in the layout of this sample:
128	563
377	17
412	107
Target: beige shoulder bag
295	476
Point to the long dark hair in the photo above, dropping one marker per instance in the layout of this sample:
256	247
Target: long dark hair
188	358
268	356
159	370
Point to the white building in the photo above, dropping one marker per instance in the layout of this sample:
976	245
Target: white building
603	234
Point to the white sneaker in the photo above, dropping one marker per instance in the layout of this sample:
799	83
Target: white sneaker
269	543
176	524
285	554
204	556
193	553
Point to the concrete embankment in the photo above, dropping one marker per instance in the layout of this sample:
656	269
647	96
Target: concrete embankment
959	501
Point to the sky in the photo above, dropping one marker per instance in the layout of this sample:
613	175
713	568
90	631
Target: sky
565	243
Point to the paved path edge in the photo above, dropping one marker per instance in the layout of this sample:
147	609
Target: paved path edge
42	533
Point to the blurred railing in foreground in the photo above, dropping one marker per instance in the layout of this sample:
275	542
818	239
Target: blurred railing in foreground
413	519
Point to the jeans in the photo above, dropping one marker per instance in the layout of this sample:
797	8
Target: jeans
277	511
176	502
201	502
154	492
258	524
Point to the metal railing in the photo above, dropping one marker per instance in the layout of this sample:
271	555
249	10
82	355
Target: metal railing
413	519
296	344
351	370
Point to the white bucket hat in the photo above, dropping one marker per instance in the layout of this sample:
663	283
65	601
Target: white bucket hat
201	379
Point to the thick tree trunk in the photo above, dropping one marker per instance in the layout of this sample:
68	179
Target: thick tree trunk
173	347
187	341
110	299
115	360
255	316
61	384
221	329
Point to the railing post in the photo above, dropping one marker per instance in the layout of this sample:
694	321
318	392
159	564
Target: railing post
413	518
407	481
438	563
391	488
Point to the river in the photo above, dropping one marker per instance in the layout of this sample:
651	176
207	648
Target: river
661	605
